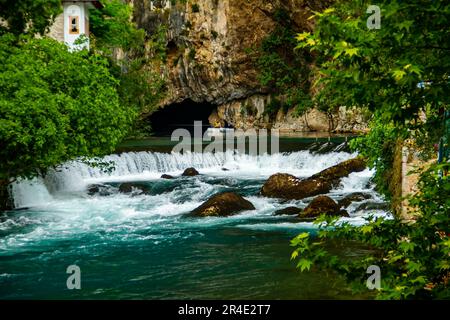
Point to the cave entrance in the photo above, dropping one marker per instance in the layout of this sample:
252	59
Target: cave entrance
181	116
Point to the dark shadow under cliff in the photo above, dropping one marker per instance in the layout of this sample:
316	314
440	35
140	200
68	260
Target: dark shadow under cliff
181	116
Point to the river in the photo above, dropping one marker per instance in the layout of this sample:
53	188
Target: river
144	246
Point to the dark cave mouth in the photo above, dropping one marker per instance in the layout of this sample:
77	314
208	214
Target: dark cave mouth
181	116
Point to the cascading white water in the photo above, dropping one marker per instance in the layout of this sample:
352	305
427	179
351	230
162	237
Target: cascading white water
132	166
60	207
30	193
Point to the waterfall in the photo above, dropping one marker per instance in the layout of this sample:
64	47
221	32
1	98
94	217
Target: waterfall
28	193
75	176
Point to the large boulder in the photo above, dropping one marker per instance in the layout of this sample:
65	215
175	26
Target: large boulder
353	197
287	186
343	169
190	172
322	205
222	205
289	211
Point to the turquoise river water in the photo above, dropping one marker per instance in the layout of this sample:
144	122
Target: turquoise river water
144	246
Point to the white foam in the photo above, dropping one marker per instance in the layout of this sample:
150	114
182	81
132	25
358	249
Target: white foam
28	193
61	208
135	166
357	181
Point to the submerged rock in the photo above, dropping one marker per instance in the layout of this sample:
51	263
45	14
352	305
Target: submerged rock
322	205
383	206
129	187
222	205
353	197
190	172
287	186
291	211
99	189
167	176
93	189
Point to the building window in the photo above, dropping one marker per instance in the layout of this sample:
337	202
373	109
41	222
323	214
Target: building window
74	25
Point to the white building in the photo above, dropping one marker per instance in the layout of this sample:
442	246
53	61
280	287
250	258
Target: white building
73	23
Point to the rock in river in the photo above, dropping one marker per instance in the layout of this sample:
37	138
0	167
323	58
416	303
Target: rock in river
99	189
287	186
222	205
167	176
322	205
353	197
382	206
190	172
291	211
129	187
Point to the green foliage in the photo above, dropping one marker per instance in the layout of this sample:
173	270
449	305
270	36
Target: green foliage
54	106
112	27
272	107
413	258
195	7
28	16
140	86
157	44
378	148
400	72
283	70
381	69
191	54
275	105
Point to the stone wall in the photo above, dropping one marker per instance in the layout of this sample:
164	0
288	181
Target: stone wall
404	178
57	29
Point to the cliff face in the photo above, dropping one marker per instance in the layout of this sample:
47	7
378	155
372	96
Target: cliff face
209	59
251	113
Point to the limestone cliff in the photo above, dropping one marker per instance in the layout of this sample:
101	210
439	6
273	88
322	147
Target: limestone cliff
208	58
250	113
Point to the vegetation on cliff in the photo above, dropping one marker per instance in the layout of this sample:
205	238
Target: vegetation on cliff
18	14
57	105
134	58
401	73
286	72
